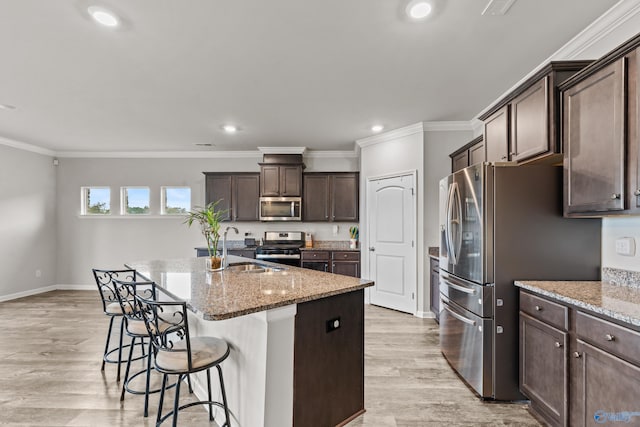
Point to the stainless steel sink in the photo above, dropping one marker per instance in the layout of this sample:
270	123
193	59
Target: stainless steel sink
251	267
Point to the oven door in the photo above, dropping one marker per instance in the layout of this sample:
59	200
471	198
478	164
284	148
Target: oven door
287	259
280	209
466	342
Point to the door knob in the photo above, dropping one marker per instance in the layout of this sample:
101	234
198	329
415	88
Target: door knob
637	192
615	196
372	249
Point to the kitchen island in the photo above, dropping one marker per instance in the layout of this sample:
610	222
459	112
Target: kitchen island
296	337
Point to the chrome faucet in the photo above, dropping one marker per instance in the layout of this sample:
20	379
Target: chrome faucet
225	261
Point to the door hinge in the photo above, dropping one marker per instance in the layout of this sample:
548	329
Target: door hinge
412	243
412	192
413	295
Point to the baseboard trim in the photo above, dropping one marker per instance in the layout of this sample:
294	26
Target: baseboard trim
425	315
42	290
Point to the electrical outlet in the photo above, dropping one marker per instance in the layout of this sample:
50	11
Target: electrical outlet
626	246
38	273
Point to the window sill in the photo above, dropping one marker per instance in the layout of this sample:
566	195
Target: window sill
135	217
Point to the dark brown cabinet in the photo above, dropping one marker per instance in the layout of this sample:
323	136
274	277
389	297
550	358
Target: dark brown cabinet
434	285
600	135
238	192
338	262
524	125
468	155
496	136
247	253
280	180
330	196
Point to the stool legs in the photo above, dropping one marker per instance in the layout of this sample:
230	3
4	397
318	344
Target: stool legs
106	345
176	401
224	398
120	347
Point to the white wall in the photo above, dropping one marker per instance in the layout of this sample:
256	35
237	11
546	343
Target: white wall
88	242
27	221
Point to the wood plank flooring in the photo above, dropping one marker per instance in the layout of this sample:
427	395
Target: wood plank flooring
50	354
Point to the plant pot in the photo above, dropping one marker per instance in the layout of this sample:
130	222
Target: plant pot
353	244
215	263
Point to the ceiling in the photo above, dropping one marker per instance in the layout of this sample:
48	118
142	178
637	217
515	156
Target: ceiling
296	73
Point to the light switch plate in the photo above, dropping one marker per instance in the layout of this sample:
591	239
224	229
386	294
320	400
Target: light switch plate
626	246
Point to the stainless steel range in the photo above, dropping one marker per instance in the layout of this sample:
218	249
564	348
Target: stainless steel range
281	246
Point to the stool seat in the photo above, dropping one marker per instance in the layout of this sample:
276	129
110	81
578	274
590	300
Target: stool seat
205	351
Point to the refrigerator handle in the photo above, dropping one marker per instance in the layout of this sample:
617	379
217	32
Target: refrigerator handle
459	316
447	225
454	196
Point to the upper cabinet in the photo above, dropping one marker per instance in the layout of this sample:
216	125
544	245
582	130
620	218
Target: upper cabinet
238	194
281	176
522	127
600	135
468	155
330	196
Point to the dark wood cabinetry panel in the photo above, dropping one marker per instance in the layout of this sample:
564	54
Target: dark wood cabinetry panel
338	262
544	368
434	295
316	197
460	161
280	180
469	154
477	152
605	385
329	356
496	136
331	196
270	181
594	140
238	192
530	122
291	181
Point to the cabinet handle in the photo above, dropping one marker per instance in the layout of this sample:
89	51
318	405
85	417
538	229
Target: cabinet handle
513	153
615	196
538	308
345	255
503	158
558	344
333	265
610	337
637	192
577	355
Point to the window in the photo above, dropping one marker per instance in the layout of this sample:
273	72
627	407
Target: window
175	200
96	201
135	201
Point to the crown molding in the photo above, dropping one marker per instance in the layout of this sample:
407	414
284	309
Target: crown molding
447	126
160	154
26	147
331	154
594	32
282	150
390	135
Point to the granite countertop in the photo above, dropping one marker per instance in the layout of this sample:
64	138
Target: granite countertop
616	301
218	295
331	245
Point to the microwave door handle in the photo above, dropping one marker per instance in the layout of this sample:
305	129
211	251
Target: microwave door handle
293	209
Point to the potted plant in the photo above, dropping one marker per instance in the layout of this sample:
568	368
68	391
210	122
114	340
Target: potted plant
209	218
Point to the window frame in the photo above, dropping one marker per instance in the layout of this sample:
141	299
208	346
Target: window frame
84	199
123	197
163	199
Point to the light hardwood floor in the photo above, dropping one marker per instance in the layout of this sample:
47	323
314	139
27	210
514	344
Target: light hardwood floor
50	355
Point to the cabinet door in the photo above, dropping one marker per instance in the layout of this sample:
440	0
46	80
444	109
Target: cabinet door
496	136
344	197
434	295
218	187
460	161
477	154
270	181
315	265
315	206
594	141
347	268
246	195
290	181
607	387
544	368
530	122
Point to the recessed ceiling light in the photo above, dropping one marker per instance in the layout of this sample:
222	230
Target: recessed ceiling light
418	9
7	107
377	128
230	128
103	16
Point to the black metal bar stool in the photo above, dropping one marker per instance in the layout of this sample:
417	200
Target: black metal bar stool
176	353
112	308
136	329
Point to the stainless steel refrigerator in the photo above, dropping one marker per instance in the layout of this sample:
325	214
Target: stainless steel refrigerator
500	223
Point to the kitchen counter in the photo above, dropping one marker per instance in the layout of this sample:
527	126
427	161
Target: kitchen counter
617	301
331	245
218	295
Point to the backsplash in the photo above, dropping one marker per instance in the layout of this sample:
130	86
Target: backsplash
621	277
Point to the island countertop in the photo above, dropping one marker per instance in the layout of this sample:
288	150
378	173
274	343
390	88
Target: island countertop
218	295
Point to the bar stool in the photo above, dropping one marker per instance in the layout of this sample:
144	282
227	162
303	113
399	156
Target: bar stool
177	353
111	307
135	328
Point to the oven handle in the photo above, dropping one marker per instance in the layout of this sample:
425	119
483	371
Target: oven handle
459	316
460	288
283	256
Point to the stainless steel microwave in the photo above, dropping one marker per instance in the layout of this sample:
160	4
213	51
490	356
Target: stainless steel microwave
280	208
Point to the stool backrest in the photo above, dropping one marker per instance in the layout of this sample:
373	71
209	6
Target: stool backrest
167	324
126	292
104	280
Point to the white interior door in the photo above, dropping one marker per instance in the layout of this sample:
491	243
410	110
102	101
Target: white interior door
392	234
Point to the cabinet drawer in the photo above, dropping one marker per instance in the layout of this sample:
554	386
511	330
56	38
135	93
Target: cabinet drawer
547	311
315	255
609	336
346	256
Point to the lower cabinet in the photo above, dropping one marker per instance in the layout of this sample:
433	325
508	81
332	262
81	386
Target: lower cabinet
434	285
338	262
578	369
247	253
